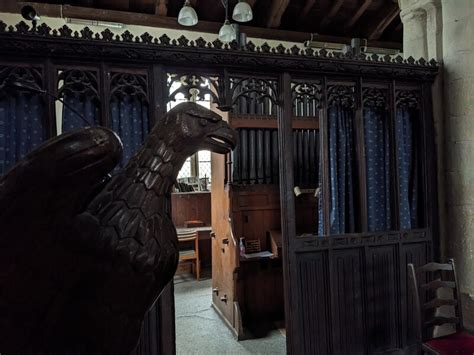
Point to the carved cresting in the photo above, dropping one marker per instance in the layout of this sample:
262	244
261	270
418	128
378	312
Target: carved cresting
83	259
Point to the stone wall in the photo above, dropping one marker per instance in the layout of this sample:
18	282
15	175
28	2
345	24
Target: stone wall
458	59
444	29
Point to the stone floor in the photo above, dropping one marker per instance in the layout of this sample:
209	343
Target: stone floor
199	330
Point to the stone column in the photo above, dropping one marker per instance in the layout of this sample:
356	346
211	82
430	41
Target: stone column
414	33
458	59
422	37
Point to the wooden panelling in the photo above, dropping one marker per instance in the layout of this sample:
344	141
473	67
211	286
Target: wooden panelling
382	298
262	290
417	254
348	308
306	207
314	302
255	210
224	247
268	121
358	294
187	206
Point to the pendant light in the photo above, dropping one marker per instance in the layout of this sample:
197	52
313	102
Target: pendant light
187	15
242	12
227	32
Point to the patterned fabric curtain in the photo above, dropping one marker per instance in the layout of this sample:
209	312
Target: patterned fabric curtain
377	155
129	117
342	169
21	127
85	105
408	168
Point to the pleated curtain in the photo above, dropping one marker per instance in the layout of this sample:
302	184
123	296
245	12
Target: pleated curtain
21	127
342	170
408	168
86	105
377	158
129	116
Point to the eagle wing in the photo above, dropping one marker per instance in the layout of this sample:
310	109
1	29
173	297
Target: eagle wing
38	198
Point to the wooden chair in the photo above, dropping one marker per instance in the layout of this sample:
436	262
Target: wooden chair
186	254
432	277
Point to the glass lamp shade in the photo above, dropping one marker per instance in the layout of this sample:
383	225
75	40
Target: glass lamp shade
227	32
242	12
187	16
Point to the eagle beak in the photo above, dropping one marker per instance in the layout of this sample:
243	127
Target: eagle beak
222	140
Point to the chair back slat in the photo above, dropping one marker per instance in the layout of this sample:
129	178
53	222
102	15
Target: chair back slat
434	285
432	267
425	282
438	302
187	238
440	321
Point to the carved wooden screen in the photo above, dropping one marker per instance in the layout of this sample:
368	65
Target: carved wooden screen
345	292
353	277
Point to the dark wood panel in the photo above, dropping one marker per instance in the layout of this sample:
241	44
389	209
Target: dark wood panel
267	121
313	300
256	210
224	256
417	254
260	284
383	303
191	206
348	328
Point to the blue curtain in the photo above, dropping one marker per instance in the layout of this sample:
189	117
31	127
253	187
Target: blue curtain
129	117
342	170
408	169
21	127
377	155
86	105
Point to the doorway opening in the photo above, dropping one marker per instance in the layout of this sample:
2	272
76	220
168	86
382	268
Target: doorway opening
227	300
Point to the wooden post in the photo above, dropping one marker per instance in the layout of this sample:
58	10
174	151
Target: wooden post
287	204
49	84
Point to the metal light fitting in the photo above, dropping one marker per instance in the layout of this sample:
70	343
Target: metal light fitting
228	32
86	22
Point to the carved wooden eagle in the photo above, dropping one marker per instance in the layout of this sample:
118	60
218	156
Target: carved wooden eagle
83	257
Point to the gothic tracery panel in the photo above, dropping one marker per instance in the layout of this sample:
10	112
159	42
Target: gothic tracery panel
254	96
307	98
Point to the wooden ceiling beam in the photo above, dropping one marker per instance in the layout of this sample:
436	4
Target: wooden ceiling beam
89	3
332	12
161	7
276	12
360	11
121	5
306	9
376	31
54	10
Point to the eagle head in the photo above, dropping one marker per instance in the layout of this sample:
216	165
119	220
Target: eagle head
195	128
